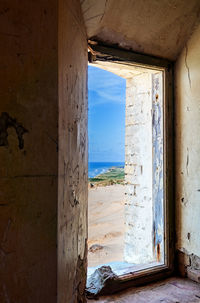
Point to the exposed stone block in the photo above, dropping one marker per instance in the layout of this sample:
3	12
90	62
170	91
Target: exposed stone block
195	261
193	274
102	281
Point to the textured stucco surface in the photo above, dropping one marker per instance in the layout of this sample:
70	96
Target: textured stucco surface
154	27
28	174
188	146
73	177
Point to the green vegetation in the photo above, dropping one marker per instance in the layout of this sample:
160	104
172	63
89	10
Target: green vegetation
114	175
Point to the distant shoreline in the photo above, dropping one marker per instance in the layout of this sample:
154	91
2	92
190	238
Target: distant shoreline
114	175
98	168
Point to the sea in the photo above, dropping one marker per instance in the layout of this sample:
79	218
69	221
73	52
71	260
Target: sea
97	168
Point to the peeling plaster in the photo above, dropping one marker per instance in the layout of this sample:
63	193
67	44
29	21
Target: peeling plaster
188	145
6	122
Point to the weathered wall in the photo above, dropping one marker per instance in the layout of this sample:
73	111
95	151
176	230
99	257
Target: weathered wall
188	146
158	28
29	152
28	174
144	224
138	170
73	178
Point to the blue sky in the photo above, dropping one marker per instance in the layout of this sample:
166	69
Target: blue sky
106	116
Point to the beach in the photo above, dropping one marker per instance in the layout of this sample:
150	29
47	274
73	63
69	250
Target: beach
105	224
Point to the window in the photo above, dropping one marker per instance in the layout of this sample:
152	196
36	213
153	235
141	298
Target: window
148	194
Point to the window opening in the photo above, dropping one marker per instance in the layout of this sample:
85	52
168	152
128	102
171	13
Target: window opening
140	212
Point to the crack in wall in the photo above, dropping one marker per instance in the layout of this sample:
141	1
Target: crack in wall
85	11
7	122
104	10
93	17
53	140
187	161
186	64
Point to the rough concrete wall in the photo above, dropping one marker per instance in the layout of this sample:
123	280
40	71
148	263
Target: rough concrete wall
138	170
73	178
158	28
188	146
28	151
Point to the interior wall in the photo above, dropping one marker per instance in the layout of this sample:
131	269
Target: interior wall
187	73
73	154
28	151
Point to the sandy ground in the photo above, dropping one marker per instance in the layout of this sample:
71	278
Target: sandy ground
106	224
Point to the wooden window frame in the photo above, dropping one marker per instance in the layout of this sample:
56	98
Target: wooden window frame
102	52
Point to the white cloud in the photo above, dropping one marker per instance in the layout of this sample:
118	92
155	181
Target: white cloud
104	87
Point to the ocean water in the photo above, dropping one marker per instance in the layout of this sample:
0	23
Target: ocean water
97	168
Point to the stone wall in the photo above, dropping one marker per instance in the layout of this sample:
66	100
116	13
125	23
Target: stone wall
73	154
144	169
138	170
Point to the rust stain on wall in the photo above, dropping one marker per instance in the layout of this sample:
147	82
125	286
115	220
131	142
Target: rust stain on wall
158	252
